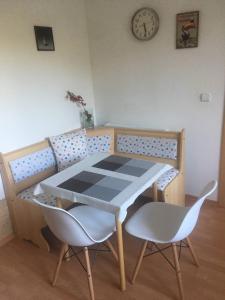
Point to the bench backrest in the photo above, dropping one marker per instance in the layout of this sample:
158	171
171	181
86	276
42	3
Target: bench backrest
19	170
25	167
156	145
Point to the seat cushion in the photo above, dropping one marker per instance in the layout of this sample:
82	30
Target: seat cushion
166	178
69	148
28	195
99	143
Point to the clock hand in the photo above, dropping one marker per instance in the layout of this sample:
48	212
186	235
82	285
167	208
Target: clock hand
145	28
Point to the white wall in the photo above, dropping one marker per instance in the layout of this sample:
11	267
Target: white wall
151	84
33	83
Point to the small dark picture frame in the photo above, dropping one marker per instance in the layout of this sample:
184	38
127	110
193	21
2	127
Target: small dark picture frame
187	30
44	38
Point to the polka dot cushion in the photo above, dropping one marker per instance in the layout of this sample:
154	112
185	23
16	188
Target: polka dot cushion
28	195
32	164
69	148
166	178
150	146
98	144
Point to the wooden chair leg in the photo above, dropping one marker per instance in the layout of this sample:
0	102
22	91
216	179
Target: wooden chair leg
195	259
112	249
61	254
142	252
178	271
90	282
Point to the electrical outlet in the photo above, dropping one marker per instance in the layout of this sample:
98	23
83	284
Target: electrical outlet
205	97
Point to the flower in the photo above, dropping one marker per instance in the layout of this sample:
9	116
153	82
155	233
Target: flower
75	99
80	102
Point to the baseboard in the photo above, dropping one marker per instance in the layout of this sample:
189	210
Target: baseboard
6	239
190	197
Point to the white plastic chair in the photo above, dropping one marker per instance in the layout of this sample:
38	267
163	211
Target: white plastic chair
166	223
81	226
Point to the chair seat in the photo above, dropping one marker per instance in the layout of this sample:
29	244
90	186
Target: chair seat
98	224
156	222
28	195
166	178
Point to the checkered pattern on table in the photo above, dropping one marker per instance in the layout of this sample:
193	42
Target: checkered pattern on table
95	185
106	187
125	165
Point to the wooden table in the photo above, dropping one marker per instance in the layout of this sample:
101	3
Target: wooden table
108	182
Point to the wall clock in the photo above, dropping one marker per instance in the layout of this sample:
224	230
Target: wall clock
145	23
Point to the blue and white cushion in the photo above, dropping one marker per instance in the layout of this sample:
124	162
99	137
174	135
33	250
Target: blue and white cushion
128	144
166	178
150	146
99	143
28	195
69	148
32	164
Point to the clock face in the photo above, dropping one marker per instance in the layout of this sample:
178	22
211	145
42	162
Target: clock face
145	24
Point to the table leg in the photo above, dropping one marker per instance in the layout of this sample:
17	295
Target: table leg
155	192
121	254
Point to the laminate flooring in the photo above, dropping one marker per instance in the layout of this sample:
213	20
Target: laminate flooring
26	271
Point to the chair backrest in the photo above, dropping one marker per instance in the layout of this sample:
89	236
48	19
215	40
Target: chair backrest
192	214
65	226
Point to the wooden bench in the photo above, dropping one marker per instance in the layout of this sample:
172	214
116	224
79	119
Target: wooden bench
27	219
161	146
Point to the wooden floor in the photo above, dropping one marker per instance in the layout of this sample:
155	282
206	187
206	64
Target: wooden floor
26	271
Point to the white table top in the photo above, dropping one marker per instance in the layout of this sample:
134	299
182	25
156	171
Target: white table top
126	189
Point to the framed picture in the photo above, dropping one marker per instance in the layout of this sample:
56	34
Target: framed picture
44	38
187	30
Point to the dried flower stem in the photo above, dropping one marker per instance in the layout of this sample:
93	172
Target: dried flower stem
79	101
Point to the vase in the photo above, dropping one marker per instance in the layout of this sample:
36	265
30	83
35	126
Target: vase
86	119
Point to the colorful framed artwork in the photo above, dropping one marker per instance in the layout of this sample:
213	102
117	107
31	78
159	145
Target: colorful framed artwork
187	30
44	38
